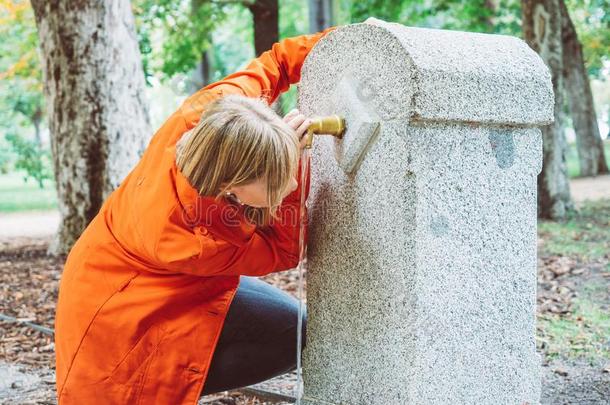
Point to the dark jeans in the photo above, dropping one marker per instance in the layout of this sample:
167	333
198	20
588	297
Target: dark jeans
259	338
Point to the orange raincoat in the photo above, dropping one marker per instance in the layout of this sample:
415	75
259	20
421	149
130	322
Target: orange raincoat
146	288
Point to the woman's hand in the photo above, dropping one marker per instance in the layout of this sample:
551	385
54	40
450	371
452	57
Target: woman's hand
299	123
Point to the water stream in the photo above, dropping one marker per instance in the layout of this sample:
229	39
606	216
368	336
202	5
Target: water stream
305	161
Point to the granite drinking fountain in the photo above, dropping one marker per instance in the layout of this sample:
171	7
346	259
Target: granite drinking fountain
421	258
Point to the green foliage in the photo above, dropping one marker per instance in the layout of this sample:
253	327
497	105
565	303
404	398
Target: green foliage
385	10
572	162
582	333
182	27
233	48
472	15
6	156
584	233
293	19
20	72
31	158
592	22
477	16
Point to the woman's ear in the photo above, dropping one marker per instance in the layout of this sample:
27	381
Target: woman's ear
230	192
223	185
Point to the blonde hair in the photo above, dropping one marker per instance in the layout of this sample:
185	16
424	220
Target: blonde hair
238	140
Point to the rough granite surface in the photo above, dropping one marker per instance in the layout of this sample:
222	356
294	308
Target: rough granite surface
421	279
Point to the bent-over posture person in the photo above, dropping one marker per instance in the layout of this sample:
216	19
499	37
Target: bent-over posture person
159	300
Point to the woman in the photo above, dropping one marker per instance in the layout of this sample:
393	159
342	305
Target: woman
159	301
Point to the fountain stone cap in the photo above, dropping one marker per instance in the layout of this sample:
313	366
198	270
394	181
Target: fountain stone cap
380	71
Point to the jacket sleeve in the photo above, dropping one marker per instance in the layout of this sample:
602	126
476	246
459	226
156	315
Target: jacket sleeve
266	76
235	250
226	247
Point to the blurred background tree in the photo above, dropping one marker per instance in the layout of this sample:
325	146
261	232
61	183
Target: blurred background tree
97	109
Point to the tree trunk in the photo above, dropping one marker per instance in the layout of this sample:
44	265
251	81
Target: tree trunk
490	21
98	115
265	14
36	121
542	31
322	14
265	17
205	67
202	74
580	100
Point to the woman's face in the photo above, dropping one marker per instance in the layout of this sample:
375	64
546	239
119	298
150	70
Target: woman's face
254	193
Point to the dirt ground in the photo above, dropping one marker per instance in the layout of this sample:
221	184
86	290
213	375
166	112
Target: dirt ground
582	380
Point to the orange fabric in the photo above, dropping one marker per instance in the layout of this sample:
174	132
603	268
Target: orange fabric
146	288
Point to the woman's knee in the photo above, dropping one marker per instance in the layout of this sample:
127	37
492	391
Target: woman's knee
268	315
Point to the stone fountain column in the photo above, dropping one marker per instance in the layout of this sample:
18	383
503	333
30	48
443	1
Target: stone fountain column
421	278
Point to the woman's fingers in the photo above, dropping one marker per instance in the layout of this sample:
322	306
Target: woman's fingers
291	115
302	127
298	122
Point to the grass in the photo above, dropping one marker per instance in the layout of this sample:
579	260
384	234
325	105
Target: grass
17	195
585	233
572	158
585	332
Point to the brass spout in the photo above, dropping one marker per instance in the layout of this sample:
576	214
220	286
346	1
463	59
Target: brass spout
330	125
